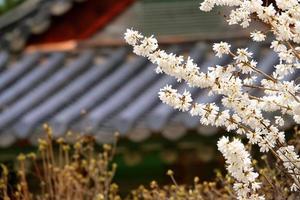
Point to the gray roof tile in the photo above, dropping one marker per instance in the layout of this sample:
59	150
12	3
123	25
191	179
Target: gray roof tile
44	90
66	95
30	80
99	92
119	93
18	70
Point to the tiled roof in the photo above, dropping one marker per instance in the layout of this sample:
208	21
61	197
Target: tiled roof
30	17
99	91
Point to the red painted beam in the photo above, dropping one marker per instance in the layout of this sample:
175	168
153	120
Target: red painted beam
105	19
82	21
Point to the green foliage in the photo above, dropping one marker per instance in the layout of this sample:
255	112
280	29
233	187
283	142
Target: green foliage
6	5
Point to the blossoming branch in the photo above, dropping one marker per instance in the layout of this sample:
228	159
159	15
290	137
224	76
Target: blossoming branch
242	111
239	166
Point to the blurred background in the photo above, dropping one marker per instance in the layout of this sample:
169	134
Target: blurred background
65	63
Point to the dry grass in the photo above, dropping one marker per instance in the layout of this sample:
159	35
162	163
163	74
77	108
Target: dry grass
78	172
75	172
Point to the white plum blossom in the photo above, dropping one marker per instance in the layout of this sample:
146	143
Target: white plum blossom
294	187
286	4
132	37
257	36
179	101
277	46
247	67
291	162
147	46
168	95
197	109
242	55
221	48
185	100
282	70
296	112
279	120
206	6
296	109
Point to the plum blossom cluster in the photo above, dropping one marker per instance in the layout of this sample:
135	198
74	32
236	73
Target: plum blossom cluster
170	96
239	166
284	23
291	162
242	111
